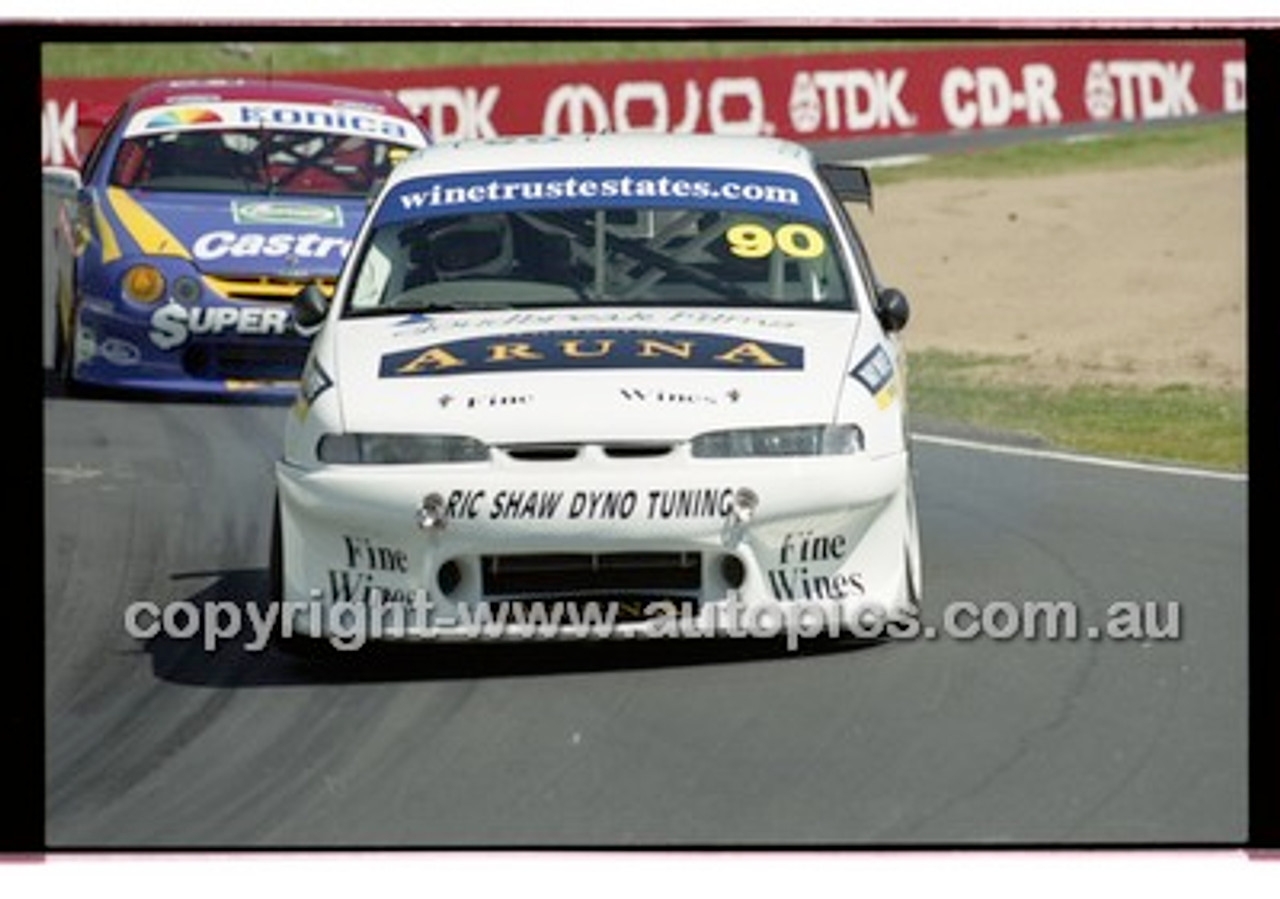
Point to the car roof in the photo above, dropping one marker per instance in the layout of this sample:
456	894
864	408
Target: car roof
173	92
764	154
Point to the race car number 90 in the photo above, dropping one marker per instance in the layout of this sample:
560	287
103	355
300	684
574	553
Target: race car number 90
755	241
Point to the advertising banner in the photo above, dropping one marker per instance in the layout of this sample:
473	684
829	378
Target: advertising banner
810	98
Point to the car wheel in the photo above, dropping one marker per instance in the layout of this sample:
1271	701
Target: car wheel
63	354
915	568
298	646
911	574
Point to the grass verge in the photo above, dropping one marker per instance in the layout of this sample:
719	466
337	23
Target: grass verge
99	60
1178	423
1181	145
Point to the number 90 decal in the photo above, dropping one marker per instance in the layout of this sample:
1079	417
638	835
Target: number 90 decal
755	241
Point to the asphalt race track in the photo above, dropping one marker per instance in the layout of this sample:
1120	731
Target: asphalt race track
948	741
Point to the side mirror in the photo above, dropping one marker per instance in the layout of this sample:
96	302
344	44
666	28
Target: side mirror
63	177
892	309
310	309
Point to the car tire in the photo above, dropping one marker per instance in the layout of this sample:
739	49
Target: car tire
911	572
915	568
297	646
63	353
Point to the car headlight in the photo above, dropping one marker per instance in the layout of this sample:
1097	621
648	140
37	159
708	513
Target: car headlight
143	284
804	440
399	449
187	290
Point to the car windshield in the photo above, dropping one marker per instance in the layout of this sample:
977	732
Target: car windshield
258	161
498	249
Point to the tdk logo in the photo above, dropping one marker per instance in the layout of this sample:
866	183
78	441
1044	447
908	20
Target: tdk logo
1135	90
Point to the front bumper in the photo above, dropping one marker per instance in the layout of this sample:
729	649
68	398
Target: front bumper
117	348
530	550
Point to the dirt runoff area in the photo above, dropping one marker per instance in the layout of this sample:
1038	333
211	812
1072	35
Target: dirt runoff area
1134	276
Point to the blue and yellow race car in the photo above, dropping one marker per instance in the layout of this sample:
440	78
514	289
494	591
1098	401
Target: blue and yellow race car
203	209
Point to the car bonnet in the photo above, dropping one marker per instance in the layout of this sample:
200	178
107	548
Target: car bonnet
225	234
625	374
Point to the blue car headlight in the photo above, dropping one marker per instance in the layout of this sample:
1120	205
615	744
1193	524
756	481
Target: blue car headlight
187	290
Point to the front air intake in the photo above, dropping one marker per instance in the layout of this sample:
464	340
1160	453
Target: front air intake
656	574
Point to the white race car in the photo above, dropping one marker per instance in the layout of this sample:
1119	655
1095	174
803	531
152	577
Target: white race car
605	386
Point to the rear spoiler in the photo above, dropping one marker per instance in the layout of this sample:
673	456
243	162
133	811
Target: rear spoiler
849	182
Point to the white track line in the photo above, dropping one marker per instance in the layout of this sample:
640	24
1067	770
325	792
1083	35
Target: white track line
1100	461
886	162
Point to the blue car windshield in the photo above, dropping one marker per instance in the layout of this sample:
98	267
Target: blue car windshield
258	161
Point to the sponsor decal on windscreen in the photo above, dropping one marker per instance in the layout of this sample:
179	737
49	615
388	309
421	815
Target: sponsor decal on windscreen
288	116
600	188
286	212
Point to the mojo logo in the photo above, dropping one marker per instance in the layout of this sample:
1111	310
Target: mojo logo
559	350
730	105
173	325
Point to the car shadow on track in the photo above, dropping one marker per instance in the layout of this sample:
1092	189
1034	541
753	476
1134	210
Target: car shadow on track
188	653
55	388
